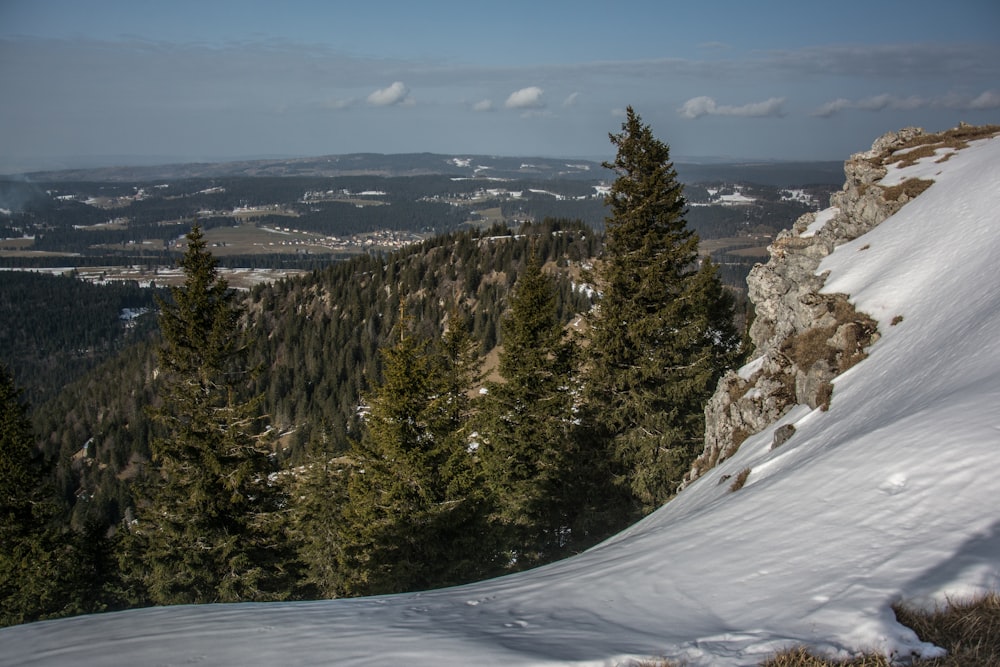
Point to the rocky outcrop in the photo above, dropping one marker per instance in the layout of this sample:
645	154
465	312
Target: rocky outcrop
803	339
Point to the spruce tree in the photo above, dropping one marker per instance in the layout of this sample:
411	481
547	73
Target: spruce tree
414	514
46	570
663	331
207	528
318	498
531	457
25	589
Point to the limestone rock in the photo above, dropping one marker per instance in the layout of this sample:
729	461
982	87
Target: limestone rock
802	339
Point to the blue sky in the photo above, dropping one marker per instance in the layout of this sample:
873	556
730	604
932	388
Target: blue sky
131	81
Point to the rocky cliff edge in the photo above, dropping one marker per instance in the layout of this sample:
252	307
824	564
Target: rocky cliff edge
803	338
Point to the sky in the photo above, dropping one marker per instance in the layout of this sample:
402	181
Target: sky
137	81
887	496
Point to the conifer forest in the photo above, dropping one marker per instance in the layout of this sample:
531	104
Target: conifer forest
484	400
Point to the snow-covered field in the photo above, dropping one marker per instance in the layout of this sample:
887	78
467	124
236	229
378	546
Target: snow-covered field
890	495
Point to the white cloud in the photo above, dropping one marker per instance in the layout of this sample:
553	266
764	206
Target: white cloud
886	101
525	98
397	93
483	105
990	99
696	107
833	107
571	100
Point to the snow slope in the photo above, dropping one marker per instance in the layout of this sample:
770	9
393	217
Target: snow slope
890	495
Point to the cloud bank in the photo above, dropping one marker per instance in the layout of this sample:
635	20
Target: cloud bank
696	107
987	100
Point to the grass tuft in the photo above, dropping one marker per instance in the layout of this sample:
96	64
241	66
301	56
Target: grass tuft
925	145
824	395
857	329
968	629
911	187
740	480
801	657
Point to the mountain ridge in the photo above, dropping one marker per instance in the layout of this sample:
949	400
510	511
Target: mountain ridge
767	172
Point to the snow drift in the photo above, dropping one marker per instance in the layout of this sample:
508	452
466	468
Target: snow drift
889	495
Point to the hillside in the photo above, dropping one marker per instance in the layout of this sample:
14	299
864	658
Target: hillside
465	166
885	494
317	336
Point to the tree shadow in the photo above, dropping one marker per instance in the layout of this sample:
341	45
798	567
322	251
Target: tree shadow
975	564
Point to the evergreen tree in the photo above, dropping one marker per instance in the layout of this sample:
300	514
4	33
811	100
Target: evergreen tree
454	414
530	455
207	531
663	332
46	571
414	513
318	500
25	588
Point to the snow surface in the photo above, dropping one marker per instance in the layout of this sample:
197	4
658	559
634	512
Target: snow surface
890	495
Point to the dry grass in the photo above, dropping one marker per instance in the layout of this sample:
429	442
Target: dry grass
800	657
973	132
740	479
808	347
909	188
812	345
926	145
968	629
824	395
740	436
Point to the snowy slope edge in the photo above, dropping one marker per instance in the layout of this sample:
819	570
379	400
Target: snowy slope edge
791	304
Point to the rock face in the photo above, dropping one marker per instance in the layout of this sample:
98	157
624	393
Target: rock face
802	339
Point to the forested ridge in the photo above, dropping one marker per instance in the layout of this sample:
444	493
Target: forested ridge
315	341
56	327
453	410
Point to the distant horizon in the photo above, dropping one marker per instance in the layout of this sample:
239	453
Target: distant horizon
193	81
15	167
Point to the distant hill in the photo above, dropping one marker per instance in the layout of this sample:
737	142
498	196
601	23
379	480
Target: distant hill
777	174
781	174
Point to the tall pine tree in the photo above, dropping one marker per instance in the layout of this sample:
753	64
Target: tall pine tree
46	569
208	528
533	461
663	332
415	509
318	499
